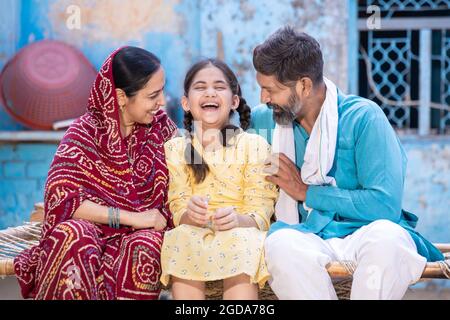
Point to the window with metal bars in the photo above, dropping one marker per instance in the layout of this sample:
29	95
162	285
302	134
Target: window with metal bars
404	63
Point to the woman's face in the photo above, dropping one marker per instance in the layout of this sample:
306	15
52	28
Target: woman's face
142	107
210	98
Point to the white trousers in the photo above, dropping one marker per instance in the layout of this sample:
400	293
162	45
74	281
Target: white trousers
386	260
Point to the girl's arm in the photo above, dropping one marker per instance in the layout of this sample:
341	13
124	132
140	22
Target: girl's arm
180	190
259	195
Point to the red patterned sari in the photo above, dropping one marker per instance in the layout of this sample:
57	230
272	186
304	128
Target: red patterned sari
77	259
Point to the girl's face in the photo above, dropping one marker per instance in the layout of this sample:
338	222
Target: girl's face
210	98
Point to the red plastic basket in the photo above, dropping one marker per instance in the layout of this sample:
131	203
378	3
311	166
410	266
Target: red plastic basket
45	82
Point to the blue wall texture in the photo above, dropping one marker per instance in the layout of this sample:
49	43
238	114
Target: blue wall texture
23	171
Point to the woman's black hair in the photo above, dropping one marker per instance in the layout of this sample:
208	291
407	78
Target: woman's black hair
194	161
132	69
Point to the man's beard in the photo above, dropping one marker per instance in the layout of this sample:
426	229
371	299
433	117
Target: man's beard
285	115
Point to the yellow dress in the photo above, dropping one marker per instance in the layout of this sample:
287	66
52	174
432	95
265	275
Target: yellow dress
236	179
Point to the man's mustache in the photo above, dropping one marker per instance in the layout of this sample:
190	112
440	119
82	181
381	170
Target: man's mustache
276	106
281	109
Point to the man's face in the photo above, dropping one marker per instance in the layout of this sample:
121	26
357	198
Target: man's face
282	99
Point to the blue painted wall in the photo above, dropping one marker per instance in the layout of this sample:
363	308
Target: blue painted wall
23	171
427	185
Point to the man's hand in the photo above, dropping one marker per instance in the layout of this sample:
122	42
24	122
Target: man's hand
285	174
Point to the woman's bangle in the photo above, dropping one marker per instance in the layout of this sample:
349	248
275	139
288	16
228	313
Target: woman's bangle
117	218
114	217
110	216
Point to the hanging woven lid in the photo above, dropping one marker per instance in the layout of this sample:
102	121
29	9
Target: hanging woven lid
46	82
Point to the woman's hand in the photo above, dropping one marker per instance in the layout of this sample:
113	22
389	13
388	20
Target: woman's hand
148	219
160	221
197	211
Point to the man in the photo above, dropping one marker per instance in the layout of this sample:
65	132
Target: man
344	175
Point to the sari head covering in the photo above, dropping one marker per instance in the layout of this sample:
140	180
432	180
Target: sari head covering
94	162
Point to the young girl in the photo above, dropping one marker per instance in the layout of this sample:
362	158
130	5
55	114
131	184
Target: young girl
218	195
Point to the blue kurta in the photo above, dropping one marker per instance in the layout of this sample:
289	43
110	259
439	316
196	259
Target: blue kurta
369	168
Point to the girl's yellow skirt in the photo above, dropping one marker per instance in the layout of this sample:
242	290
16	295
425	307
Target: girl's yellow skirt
202	254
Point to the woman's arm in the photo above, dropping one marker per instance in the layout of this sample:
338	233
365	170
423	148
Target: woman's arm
96	213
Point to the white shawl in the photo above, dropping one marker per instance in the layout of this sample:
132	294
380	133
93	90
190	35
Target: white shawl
319	153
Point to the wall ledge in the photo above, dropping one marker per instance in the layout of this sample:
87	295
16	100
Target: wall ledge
414	138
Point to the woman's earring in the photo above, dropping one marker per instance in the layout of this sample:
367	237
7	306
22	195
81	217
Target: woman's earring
122	108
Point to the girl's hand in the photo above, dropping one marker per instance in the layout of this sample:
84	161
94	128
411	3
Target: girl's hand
197	210
226	219
148	219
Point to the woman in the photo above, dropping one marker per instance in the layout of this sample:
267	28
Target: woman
106	191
